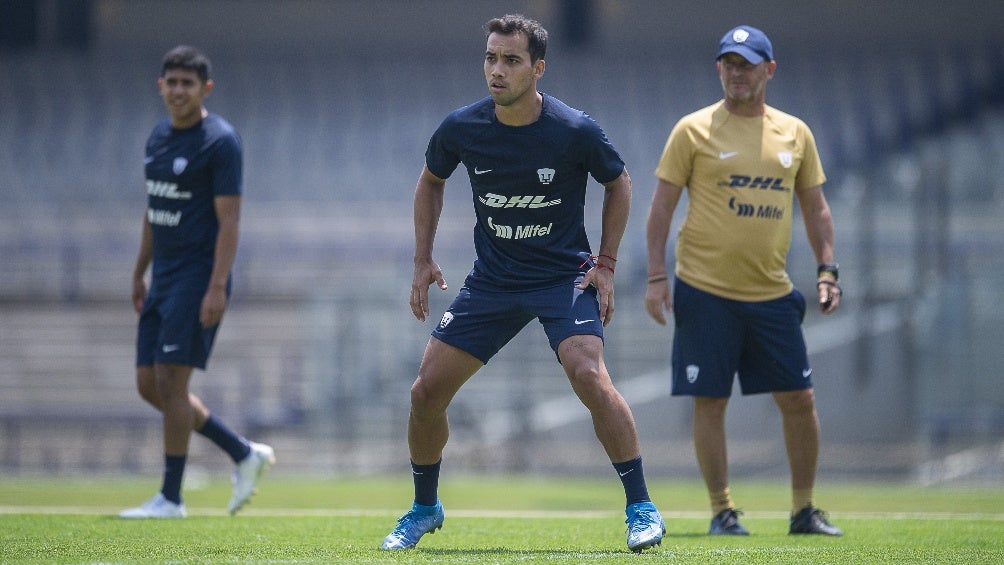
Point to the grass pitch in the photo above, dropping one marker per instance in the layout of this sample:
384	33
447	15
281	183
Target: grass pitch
488	520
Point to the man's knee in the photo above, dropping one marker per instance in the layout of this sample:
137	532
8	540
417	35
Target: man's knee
146	385
425	400
587	375
710	405
171	382
796	401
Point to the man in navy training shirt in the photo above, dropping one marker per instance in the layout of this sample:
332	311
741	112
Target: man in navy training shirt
193	181
528	156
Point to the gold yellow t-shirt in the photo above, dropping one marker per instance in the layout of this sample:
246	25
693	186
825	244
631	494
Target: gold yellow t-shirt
740	174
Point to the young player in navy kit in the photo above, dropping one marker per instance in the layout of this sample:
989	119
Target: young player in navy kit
190	229
528	156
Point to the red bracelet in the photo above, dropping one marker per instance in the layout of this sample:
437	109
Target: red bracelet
596	262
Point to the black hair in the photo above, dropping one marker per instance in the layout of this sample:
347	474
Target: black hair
511	24
187	58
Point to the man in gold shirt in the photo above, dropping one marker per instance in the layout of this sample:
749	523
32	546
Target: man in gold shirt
735	309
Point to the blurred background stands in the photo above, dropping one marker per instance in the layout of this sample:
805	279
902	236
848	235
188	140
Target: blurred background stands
335	102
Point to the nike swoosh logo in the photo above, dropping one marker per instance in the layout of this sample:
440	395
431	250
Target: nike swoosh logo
477	172
806	373
579	322
171	348
625	472
724	156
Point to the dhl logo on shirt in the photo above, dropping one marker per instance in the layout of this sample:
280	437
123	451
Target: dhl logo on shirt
762	183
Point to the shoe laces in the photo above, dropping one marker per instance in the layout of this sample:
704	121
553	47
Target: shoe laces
411	517
820	514
731	517
640	520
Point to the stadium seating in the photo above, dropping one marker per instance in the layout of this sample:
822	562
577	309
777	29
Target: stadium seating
332	151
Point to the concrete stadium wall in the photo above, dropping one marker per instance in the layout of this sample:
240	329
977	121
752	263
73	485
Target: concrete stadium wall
353	27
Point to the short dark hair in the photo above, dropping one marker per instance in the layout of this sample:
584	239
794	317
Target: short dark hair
511	24
187	58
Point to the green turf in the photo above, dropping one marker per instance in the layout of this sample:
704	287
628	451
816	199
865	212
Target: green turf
489	520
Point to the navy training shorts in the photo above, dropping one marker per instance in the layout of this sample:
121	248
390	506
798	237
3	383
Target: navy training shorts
170	331
717	340
481	322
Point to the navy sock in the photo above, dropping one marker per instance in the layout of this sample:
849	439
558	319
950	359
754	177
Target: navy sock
633	477
236	447
174	469
426	479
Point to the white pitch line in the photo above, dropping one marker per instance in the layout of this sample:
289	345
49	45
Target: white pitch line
514	514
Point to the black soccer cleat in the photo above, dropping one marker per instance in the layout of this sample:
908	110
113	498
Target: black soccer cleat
726	523
810	520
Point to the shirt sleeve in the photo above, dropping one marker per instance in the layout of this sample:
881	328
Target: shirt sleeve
603	161
442	156
227	163
677	160
810	174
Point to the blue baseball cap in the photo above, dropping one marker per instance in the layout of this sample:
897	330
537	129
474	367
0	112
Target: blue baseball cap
747	41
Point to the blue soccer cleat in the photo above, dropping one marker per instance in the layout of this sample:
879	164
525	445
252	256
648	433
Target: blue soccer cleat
420	520
645	526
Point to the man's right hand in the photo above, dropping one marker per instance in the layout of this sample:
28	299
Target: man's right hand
426	273
658	300
138	294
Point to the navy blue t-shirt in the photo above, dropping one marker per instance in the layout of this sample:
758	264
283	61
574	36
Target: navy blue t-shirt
529	186
185	171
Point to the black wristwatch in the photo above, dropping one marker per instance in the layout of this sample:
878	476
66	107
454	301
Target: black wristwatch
831	269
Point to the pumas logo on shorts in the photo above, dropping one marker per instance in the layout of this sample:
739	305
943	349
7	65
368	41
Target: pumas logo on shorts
692	372
445	321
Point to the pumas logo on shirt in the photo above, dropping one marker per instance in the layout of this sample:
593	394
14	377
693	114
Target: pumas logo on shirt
499	201
545	175
179	165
